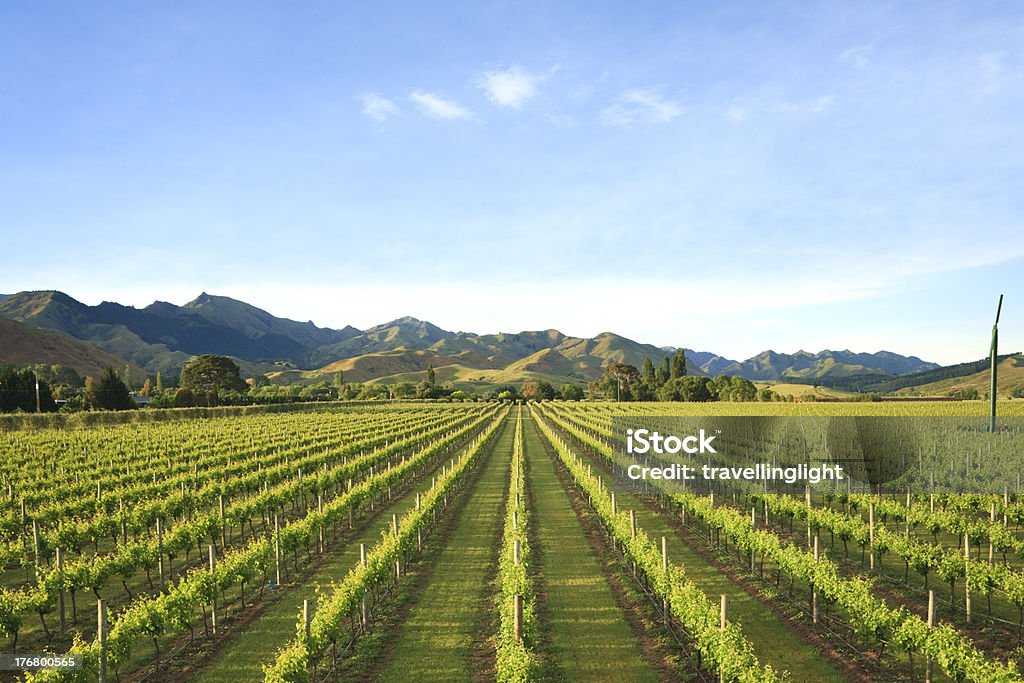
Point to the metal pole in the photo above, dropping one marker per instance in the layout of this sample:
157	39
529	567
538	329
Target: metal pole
995	355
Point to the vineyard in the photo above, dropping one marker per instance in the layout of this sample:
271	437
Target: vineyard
489	541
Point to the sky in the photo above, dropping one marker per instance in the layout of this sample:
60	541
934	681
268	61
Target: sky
731	177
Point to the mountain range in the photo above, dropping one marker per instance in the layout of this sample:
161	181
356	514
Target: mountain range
163	336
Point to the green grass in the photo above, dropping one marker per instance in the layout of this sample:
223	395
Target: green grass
437	638
773	642
590	639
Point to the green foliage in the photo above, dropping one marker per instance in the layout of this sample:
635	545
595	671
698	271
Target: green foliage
18	391
647	372
58	375
184	398
110	393
570	392
870	617
679	364
334	607
964	394
534	390
211	373
515	659
620	382
724	388
686	389
727	651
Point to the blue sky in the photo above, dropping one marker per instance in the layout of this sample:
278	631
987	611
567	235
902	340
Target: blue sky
726	176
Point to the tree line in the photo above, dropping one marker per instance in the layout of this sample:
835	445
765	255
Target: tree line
671	382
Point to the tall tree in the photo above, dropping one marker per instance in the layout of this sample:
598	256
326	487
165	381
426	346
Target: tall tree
210	373
570	392
431	379
742	389
18	391
647	370
531	390
159	383
721	388
666	369
620	381
679	364
111	393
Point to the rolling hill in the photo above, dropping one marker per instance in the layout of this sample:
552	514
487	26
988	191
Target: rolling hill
805	365
163	336
1010	377
27	345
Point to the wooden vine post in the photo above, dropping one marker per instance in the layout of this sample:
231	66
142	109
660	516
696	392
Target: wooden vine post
277	550
967	575
213	602
722	620
928	665
60	595
101	637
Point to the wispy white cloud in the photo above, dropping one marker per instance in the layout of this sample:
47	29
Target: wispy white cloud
736	112
820	104
858	56
509	87
437	107
813	106
992	71
378	108
640	106
741	110
585	90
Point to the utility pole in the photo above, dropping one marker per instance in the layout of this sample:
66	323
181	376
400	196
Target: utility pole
995	357
38	409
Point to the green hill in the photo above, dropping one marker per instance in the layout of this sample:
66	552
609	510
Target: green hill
26	345
163	336
1010	377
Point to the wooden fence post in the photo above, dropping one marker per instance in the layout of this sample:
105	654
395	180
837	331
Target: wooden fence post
320	510
871	533
101	637
967	573
364	612
814	589
213	604
60	595
721	625
223	523
277	550
307	617
931	624
664	568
